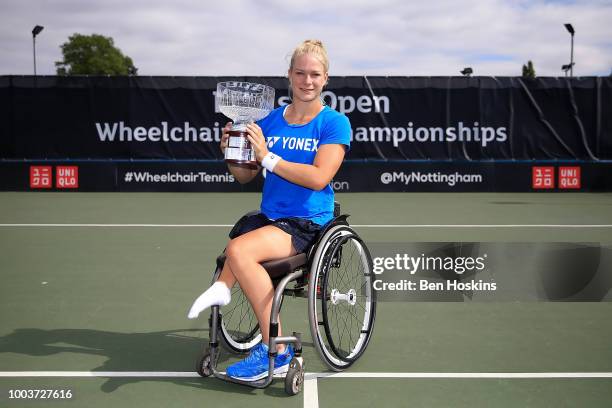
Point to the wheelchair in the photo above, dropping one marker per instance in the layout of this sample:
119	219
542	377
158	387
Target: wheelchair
336	277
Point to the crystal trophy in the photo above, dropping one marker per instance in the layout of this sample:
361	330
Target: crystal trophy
243	102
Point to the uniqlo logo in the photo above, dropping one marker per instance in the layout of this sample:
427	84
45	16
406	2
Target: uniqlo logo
40	176
543	177
569	177
67	177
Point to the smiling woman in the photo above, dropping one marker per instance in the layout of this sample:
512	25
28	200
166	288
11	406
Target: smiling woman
308	71
301	146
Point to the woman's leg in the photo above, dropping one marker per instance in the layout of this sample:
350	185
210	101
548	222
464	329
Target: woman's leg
244	255
227	276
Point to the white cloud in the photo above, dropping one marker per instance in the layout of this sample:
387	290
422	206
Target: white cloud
390	37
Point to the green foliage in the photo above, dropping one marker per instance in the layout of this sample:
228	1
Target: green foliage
93	55
529	71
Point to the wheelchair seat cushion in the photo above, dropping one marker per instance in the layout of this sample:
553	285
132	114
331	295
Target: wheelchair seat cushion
303	232
277	268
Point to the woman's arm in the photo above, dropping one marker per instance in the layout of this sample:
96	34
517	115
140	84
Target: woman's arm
314	176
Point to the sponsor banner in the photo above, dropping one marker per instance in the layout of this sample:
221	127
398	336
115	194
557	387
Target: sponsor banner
465	271
569	177
424	176
67	177
354	176
392	118
430	176
40	177
57	176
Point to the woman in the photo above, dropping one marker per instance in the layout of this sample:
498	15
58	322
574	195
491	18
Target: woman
301	146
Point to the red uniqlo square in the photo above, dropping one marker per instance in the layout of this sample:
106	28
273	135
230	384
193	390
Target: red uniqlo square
569	177
542	177
67	177
40	176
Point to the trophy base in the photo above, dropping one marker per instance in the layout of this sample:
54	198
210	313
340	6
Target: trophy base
239	150
243	163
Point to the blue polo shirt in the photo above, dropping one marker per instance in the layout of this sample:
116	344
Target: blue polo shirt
299	144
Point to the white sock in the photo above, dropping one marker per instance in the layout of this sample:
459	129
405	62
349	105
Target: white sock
217	294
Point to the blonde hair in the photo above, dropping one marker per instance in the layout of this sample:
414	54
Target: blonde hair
314	48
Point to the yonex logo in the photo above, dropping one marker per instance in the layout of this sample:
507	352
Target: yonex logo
272	140
295	143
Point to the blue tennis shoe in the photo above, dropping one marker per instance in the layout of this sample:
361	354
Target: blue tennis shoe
255	366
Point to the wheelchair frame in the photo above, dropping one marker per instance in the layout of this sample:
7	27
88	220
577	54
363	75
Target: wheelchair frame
207	364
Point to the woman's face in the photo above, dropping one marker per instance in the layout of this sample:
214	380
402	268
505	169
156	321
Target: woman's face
307	78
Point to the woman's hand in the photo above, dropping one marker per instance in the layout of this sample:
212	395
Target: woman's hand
225	137
258	141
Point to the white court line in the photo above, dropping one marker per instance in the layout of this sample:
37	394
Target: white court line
352	225
311	395
467	375
311	390
123	225
482	225
310	376
140	374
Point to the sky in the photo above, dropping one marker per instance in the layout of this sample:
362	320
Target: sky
388	37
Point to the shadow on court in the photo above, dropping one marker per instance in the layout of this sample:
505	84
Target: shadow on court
172	350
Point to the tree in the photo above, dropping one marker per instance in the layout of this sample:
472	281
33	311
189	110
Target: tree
93	55
528	70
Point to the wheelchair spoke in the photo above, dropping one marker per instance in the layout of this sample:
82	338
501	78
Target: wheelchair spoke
350	348
240	305
348	322
345	327
243	312
342	334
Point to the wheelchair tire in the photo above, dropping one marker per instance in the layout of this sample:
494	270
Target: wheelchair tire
239	328
203	366
341	297
295	377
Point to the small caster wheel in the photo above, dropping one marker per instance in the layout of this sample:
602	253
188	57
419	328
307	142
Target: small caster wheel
295	377
203	366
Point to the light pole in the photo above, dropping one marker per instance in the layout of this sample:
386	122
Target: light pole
570	29
467	71
35	31
566	68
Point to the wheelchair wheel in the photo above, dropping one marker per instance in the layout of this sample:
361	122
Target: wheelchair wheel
341	297
294	380
203	366
239	328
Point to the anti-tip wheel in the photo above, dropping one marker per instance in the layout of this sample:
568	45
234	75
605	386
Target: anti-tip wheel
295	377
204	365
